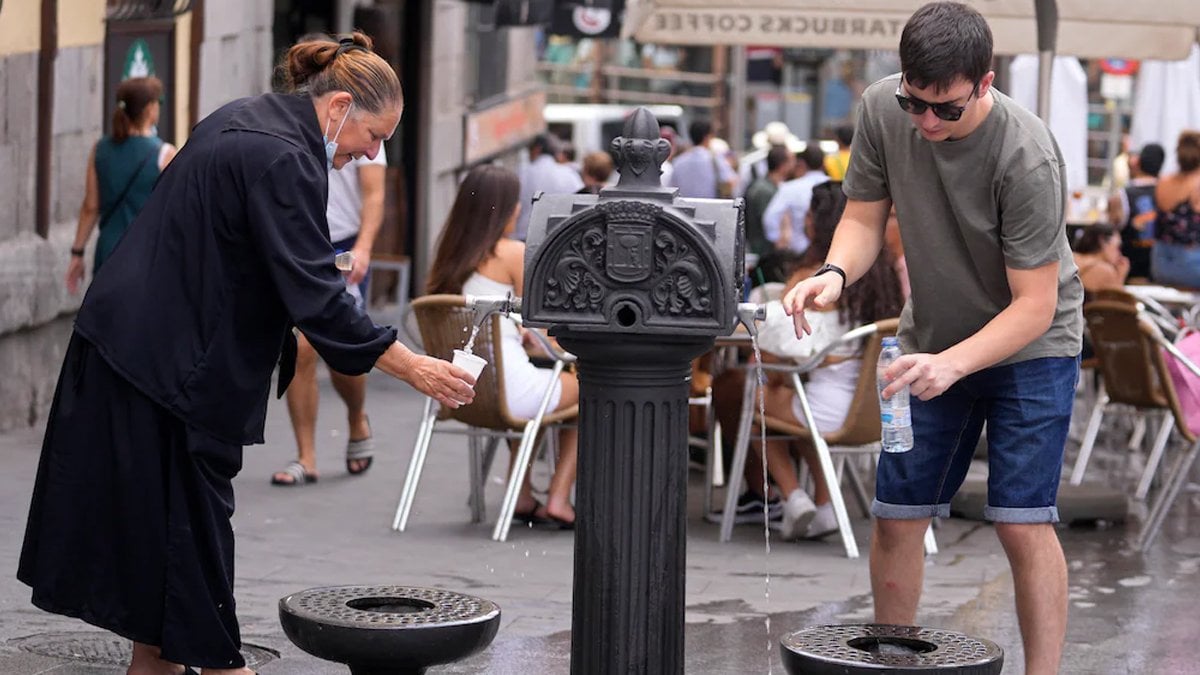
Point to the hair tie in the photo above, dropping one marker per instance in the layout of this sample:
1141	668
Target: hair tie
348	45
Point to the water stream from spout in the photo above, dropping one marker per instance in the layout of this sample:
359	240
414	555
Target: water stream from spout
470	347
762	430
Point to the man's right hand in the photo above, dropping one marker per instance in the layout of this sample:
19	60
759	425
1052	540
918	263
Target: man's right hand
820	293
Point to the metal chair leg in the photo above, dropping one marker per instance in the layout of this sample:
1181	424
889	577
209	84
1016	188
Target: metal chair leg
741	446
415	465
475	463
931	547
1089	437
1166	498
1160	444
831	480
1139	432
856	484
489	455
521	463
513	491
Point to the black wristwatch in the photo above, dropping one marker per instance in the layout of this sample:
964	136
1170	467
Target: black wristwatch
832	268
77	252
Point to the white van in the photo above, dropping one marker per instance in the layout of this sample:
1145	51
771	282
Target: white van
593	126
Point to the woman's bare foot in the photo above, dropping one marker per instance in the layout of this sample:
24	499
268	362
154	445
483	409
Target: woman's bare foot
560	511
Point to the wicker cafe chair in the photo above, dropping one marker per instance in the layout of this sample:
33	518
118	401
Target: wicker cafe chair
860	434
1129	366
1130	347
445	324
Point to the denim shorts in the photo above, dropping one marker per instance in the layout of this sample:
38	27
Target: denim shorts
1027	408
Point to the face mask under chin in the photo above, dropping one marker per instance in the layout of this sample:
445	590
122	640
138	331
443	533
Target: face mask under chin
331	146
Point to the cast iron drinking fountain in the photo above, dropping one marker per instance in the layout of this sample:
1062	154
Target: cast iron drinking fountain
636	282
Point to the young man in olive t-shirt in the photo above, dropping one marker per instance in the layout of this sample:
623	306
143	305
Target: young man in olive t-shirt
992	330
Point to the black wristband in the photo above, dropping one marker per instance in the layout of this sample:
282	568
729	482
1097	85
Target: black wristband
832	268
77	252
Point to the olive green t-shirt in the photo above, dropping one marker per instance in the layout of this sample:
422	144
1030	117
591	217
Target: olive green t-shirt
968	208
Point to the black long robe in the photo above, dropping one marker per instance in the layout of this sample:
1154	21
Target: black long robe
168	376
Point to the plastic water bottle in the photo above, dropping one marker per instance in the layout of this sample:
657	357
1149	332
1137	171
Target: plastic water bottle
895	416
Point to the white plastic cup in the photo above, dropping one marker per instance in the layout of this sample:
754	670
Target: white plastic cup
469	362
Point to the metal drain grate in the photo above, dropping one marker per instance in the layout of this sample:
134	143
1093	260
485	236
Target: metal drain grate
430	607
920	648
109	649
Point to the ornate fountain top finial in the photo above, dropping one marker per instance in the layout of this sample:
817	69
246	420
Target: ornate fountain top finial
640	152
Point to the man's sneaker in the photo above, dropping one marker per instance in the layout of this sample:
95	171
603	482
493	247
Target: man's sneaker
798	512
823	524
750	510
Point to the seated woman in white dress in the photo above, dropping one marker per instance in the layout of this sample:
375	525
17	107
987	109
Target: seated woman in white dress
476	257
830	387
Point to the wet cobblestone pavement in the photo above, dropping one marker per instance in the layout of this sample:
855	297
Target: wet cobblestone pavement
1130	613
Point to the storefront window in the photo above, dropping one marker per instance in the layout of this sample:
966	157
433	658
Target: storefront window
487	55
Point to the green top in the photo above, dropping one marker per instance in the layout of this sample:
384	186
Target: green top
968	209
758	196
115	167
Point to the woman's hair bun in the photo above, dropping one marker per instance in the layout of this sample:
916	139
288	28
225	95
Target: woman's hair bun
322	64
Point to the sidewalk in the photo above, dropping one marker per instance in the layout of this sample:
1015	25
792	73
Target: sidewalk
1130	613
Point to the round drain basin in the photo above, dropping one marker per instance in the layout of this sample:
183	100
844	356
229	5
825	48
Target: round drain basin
109	649
863	649
388	629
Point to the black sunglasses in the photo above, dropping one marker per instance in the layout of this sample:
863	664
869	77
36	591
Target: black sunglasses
943	111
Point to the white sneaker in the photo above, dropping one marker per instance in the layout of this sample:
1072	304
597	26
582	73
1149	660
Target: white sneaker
823	524
798	512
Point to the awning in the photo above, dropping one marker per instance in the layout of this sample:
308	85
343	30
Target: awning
142	10
1165	29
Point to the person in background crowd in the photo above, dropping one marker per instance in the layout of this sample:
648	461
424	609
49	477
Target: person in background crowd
597	169
668	167
992	331
700	173
780	161
1098	257
1132	208
1175	257
568	156
355	214
121	171
836	164
895	246
168	373
783	221
475	256
773	135
831	386
544	173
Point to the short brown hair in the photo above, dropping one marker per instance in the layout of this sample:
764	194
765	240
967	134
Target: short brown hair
1187	151
598	166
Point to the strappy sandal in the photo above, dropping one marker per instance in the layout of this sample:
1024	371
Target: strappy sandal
297	473
360	453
